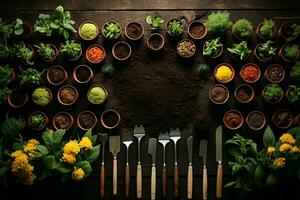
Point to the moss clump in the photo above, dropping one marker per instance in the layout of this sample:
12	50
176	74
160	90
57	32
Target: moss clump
97	95
41	96
88	31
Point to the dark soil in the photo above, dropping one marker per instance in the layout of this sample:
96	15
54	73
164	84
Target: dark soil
56	75
155	95
134	30
283	118
155	41
17	97
121	51
67	95
83	74
201	121
219	94
233	119
110	119
244	94
256	120
197	30
87	120
275	73
287	30
63	121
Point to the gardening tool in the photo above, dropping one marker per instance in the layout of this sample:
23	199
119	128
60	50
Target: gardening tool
219	161
114	147
164	139
190	168
175	136
139	133
127	141
203	154
152	152
103	139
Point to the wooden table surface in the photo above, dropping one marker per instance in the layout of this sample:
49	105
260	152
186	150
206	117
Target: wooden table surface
124	11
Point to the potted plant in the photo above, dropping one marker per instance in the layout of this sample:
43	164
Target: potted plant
272	93
233	119
121	51
242	29
42	96
289	52
111	30
175	28
186	48
83	74
23	52
108	70
12	126
265	51
289	31
5	52
282	118
4	93
22	30
293	94
38	120
71	50
63	120
275	73
86	120
88	30
218	22
197	30
239	51
48	52
155	41
154	22
244	93
67	95
224	73
97	95
17	98
266	29
31	77
295	72
95	54
250	73
213	48
134	31
110	119
56	75
218	94
256	120
7	75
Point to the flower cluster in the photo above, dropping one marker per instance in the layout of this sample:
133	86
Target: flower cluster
78	174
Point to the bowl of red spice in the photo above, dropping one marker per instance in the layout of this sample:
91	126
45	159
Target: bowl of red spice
250	73
95	54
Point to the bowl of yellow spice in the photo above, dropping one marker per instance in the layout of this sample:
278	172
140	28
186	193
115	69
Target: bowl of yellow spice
88	30
224	73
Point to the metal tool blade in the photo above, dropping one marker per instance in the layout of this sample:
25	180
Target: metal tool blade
219	144
163	138
103	137
190	148
114	145
139	133
203	150
152	149
127	138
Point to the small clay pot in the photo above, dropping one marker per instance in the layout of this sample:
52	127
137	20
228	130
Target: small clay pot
263	37
281	54
77	58
261	125
110	119
134	31
271	102
17	93
248	80
100	47
121	51
87	94
228	65
82	125
43	125
104	26
285	31
168	31
197	27
296	120
62	72
155	41
83	69
33	54
191	48
258	57
246	88
236	120
60	116
61	100
27	32
268	71
50	96
216	55
236	57
237	37
279	120
287	97
217	89
56	52
87	39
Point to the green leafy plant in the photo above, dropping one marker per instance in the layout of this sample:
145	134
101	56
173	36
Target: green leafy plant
4	92
242	28
291	51
240	49
37	120
294	94
71	49
4	52
12	126
112	30
6	30
18	27
273	92
203	70
218	22
23	52
295	72
295	34
266	28
6	73
266	50
154	22
212	47
42	25
31	76
41	96
108	70
175	28
46	51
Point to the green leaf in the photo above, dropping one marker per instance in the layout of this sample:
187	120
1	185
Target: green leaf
4	169
63	168
49	161
259	175
88	134
271	180
149	20
86	167
58	135
230	184
296	133
48	138
93	154
268	137
42	148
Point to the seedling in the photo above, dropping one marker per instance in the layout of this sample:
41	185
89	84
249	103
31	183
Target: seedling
154	22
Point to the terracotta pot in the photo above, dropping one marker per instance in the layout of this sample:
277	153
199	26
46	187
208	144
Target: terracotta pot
104	26
127	34
11	101
65	74
81	126
247	80
256	128
77	70
237	57
27	32
100	47
281	54
87	39
211	90
246	87
263	37
43	125
266	75
65	103
77	58
50	96
192	53
271	102
284	32
55	55
107	115
275	120
287	96
192	25
228	65
168	31
115	49
33	54
237	121
157	36
258	57
237	37
87	94
296	120
218	54
54	123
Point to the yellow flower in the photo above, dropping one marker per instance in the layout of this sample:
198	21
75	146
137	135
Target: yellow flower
271	150
68	158
85	143
78	174
285	147
287	138
16	153
19	163
33	141
279	162
72	147
295	149
29	179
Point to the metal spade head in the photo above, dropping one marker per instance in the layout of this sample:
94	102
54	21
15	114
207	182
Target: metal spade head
190	148
114	145
203	150
152	149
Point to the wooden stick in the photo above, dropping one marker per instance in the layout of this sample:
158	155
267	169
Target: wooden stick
139	181
204	183
164	180
219	180
190	182
115	174
153	183
102	180
176	181
127	181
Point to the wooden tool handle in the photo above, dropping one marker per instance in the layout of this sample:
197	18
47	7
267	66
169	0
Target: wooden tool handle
139	181
176	181
127	181
115	174
204	184
153	183
190	182
164	180
102	180
219	180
